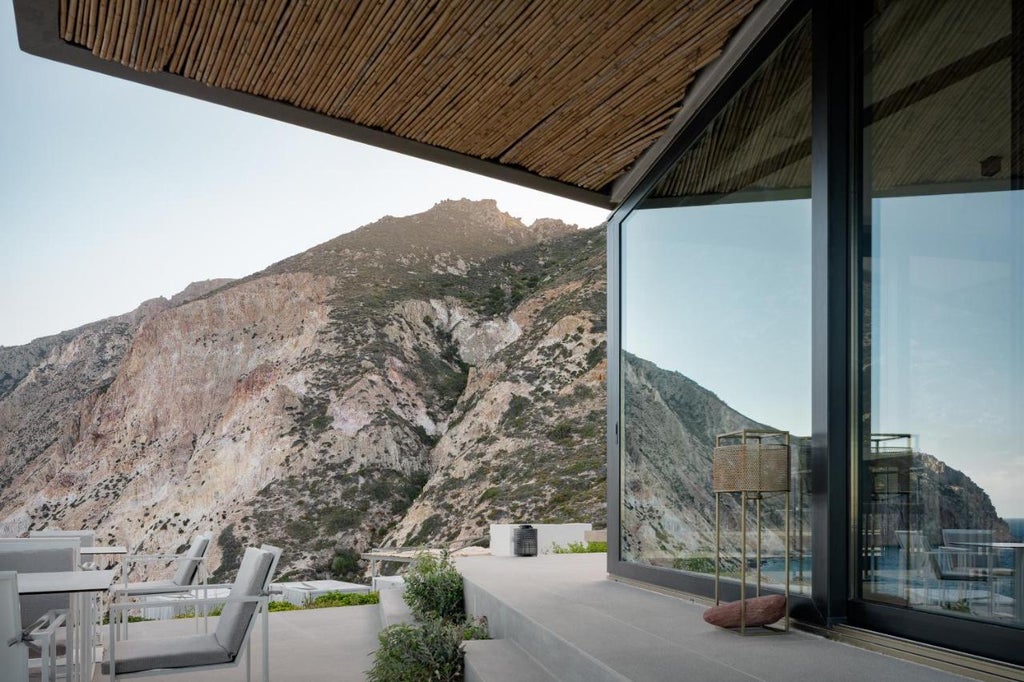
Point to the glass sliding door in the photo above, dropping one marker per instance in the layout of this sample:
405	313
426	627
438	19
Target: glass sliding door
716	289
940	463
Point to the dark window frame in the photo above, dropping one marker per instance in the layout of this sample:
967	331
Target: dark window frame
838	211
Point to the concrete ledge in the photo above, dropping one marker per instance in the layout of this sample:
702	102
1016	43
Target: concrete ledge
392	606
580	626
501	660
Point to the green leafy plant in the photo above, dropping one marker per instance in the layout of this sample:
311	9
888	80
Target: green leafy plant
213	611
431	650
592	547
433	589
476	628
344	599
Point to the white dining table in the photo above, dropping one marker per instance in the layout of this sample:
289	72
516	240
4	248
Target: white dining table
79	585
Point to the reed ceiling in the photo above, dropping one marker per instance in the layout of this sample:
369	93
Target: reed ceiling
573	90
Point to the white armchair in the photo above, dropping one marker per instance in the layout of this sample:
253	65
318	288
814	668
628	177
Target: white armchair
249	597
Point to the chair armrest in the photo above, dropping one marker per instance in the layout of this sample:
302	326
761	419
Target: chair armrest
117	596
210	601
45	626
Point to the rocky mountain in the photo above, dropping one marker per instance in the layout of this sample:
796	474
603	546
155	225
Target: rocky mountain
408	382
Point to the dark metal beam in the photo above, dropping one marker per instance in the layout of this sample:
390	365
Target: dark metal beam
835	162
37	23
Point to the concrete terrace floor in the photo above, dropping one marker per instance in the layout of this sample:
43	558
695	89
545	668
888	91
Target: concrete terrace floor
571	622
580	626
318	644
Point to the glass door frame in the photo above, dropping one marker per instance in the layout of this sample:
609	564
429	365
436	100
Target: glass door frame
839	52
840	215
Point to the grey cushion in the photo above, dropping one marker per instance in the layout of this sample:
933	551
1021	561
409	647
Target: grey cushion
136	655
189	565
33	606
252	578
151	587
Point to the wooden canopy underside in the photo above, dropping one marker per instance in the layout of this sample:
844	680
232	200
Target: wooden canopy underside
572	90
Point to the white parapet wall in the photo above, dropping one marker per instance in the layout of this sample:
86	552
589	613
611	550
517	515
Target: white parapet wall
302	593
548	535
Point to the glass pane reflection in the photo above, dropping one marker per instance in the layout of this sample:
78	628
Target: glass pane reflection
716	326
941	463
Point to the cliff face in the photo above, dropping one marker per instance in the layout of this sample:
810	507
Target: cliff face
310	404
408	383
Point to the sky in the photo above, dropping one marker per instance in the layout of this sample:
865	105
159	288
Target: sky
722	295
112	193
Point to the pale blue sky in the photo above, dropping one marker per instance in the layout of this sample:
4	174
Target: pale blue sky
112	193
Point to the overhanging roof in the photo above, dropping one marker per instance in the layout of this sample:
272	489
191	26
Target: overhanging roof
566	96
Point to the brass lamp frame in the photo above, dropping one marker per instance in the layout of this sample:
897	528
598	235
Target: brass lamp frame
750	490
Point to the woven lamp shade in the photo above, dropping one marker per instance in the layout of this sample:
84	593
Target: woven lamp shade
750	467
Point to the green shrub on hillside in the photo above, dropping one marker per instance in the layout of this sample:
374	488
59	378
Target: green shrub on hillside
594	546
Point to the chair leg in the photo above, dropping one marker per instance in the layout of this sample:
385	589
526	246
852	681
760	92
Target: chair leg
248	660
266	641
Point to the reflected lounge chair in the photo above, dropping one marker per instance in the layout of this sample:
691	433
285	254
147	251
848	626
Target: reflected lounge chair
957	564
249	596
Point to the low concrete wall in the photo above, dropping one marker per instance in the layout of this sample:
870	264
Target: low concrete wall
392	606
548	534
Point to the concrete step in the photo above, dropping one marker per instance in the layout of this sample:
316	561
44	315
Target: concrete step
554	653
501	660
579	626
392	606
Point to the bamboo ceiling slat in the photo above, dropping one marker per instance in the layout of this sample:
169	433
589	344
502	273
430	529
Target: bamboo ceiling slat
396	58
258	44
574	90
141	34
761	137
315	93
273	45
465	87
611	103
355	59
307	61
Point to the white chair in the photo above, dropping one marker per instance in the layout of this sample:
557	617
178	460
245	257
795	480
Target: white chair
44	612
191	565
86	538
191	569
249	596
13	648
